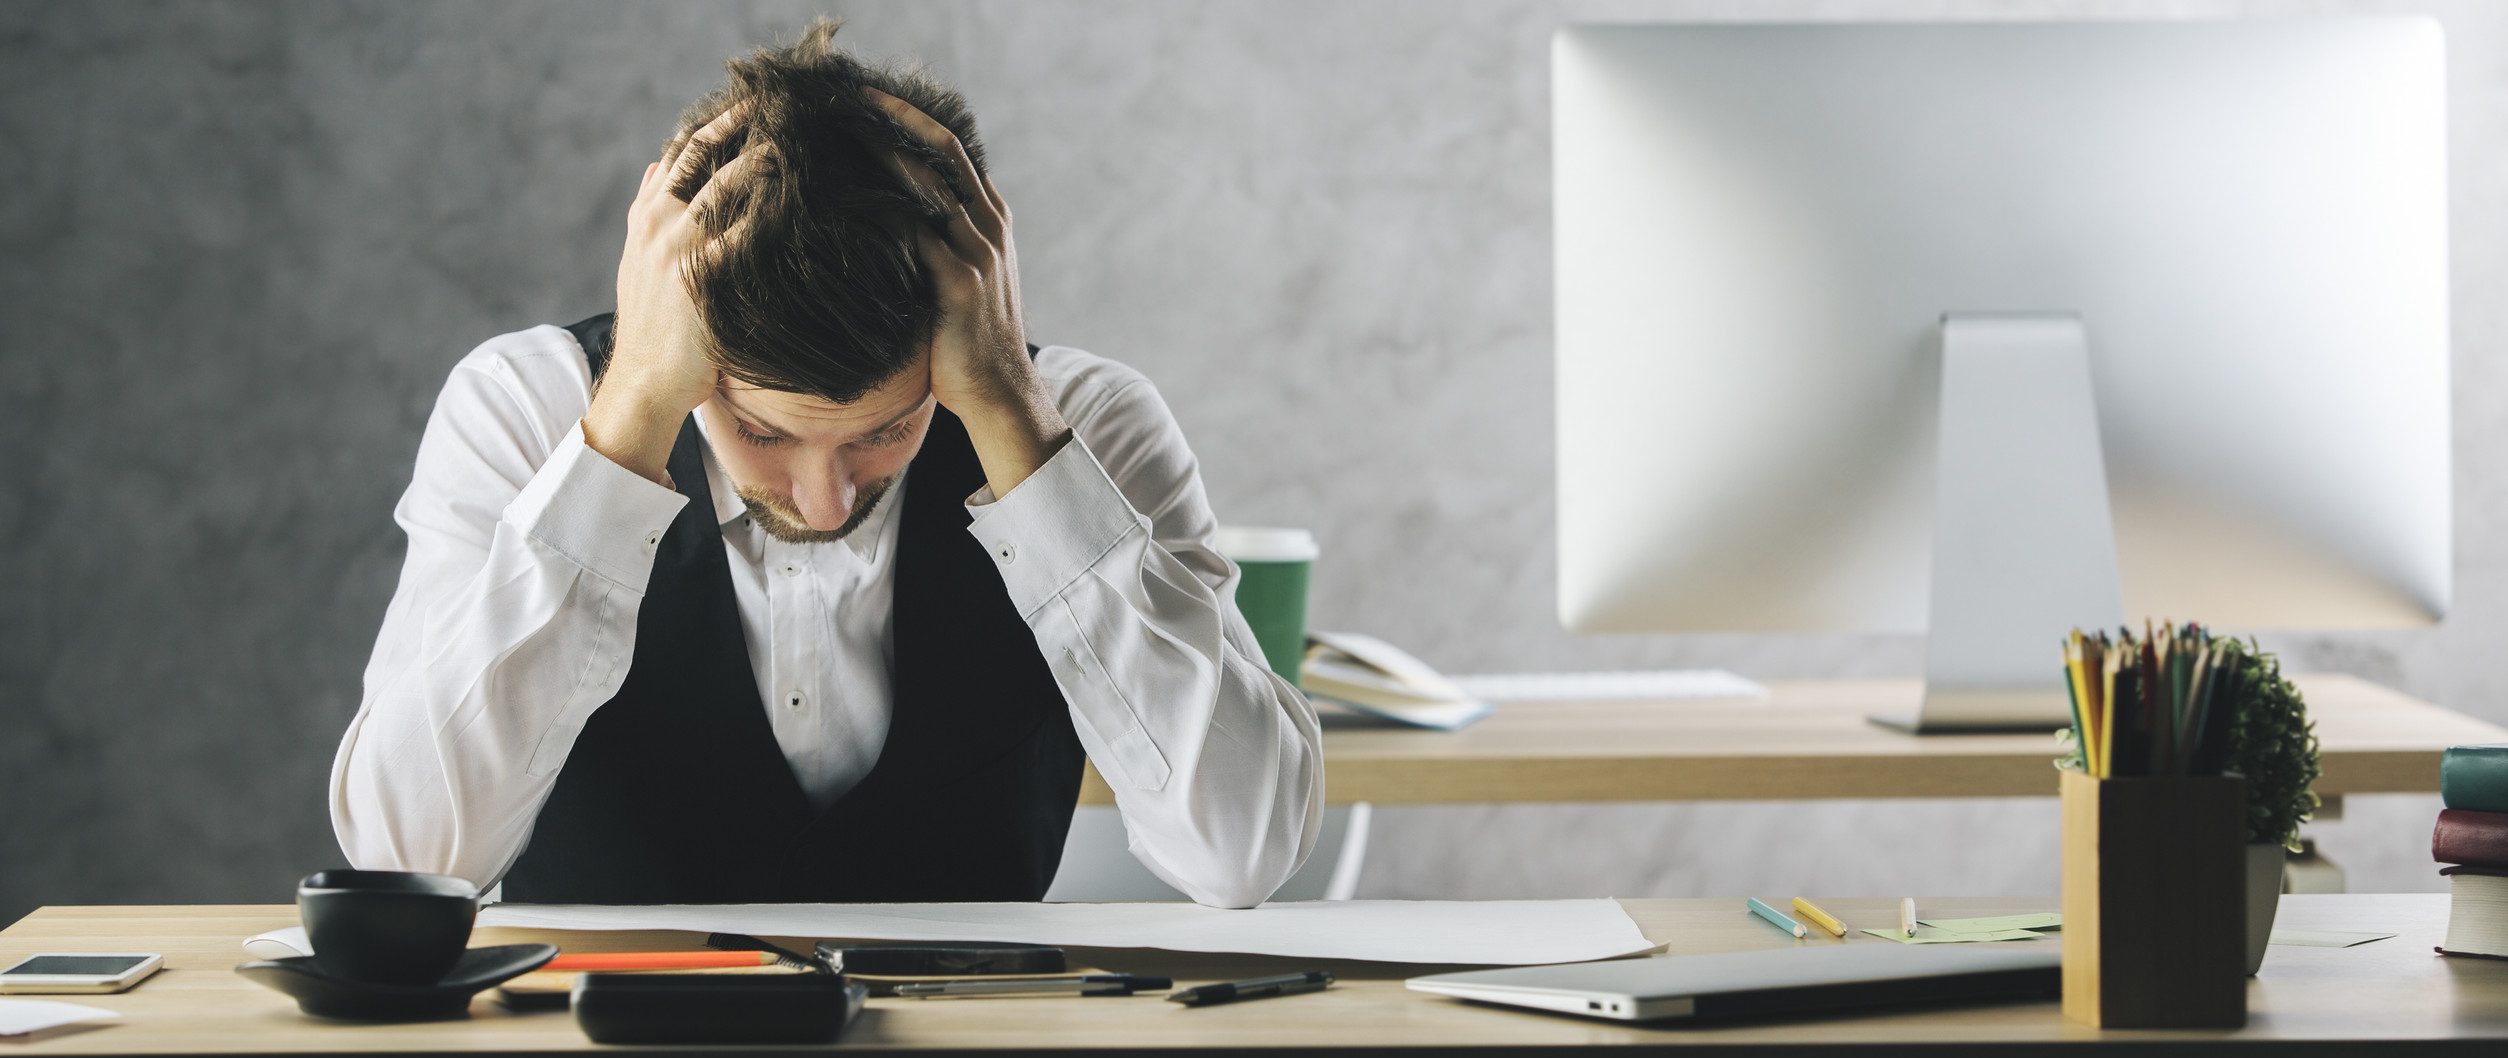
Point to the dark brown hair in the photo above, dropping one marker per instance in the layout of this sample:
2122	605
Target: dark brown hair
821	290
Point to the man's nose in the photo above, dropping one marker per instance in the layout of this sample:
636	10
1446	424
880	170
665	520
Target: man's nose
825	498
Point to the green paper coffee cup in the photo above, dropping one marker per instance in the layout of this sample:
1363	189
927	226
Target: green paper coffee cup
1272	567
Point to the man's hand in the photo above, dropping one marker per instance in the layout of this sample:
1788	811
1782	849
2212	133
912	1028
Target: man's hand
980	366
658	370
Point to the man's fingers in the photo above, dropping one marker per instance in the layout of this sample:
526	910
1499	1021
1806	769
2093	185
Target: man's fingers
739	231
951	271
734	177
969	190
643	184
935	190
1000	208
713	130
911	170
971	241
965	239
702	248
705	150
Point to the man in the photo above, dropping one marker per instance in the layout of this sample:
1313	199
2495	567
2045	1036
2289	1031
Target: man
806	578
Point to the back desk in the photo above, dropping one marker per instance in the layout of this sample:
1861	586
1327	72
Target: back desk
1810	740
2389	997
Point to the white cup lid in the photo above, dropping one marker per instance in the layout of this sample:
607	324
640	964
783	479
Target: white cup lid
1247	543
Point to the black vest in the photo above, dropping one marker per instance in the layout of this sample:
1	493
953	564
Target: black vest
676	791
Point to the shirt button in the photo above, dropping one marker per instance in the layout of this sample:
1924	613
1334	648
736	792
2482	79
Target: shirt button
1007	553
791	570
651	539
793	699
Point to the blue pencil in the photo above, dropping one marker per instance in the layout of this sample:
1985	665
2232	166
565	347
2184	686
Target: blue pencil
1776	917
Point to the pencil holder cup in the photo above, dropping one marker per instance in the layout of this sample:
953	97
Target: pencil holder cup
2155	901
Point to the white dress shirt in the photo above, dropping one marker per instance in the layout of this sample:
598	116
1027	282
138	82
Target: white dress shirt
528	556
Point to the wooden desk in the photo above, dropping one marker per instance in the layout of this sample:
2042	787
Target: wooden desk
2384	998
1810	740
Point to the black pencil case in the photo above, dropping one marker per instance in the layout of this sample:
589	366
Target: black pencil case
715	1008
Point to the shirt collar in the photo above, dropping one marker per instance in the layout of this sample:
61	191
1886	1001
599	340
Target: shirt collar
865	538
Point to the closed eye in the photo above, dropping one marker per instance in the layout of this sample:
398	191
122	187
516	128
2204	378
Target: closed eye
884	439
753	437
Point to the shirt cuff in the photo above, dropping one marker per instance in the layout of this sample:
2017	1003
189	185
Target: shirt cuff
1054	526
602	516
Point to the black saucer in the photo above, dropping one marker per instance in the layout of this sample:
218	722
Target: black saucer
321	994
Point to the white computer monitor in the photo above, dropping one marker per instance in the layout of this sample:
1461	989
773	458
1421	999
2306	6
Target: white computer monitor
1992	330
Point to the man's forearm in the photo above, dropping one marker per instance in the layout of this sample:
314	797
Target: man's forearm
1015	436
634	431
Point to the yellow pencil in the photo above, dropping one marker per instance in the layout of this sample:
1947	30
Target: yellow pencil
1820	918
2094	704
2084	720
2109	664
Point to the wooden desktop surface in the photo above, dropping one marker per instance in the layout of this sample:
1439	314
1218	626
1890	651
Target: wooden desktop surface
1810	740
2386	997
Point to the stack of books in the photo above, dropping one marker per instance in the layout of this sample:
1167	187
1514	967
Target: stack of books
2472	840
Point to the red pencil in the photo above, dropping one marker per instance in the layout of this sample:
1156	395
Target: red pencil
660	960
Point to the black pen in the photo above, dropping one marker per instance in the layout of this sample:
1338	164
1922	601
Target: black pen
1258	988
1076	984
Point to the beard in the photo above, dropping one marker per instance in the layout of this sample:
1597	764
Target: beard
777	516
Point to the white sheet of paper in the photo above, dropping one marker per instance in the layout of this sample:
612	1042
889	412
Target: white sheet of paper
1481	932
18	1017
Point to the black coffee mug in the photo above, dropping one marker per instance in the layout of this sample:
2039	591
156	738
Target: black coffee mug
387	927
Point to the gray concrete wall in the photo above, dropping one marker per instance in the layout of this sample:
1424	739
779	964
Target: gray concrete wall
244	242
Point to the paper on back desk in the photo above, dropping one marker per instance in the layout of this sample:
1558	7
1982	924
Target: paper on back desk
1488	932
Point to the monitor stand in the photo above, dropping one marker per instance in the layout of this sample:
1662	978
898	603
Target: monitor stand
2024	550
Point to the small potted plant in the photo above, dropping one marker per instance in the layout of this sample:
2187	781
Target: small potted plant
2272	744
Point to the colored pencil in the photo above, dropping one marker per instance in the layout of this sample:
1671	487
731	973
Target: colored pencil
1823	919
1777	918
660	960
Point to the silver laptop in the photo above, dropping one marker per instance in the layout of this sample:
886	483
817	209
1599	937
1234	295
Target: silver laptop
1760	983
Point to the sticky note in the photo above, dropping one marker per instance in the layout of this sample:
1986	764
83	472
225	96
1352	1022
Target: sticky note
2038	920
1926	934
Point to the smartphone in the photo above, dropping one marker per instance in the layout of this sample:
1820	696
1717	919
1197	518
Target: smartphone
53	973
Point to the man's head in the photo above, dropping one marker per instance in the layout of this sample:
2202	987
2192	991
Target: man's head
820	308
